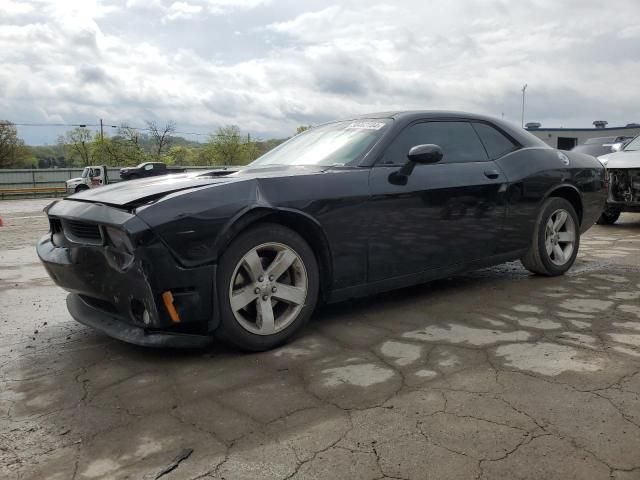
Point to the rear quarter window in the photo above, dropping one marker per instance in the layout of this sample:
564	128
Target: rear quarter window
495	142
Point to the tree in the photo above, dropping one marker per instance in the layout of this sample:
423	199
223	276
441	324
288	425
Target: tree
161	137
109	151
124	148
226	146
132	149
48	156
77	143
181	155
205	156
303	128
13	152
251	150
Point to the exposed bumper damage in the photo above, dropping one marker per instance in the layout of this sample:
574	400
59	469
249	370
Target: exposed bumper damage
115	327
119	272
624	189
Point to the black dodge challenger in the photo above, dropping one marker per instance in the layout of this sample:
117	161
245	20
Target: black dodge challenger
348	208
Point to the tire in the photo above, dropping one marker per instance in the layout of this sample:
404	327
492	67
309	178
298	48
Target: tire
243	276
81	188
539	259
608	217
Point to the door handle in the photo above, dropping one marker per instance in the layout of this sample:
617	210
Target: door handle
492	174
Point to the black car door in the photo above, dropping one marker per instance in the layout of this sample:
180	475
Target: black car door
447	213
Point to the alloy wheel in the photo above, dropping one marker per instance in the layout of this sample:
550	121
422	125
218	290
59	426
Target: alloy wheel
560	237
268	288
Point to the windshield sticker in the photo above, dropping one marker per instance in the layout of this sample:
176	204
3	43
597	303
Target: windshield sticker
367	125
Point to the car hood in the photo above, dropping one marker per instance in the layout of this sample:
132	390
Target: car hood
133	193
623	159
74	180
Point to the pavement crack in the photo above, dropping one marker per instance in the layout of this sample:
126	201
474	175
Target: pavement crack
521	412
525	441
315	454
181	457
617	408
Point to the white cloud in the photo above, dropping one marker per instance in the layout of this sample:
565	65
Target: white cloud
126	60
223	6
12	8
145	4
182	10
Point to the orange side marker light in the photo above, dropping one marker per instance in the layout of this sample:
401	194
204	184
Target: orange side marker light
167	297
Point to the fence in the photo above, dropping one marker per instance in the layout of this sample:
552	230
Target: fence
50	181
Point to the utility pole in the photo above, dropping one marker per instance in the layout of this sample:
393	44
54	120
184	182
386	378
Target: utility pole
524	89
101	132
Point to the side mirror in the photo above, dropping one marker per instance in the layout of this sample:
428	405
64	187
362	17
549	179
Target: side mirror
428	153
424	154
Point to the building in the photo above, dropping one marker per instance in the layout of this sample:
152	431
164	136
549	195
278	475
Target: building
567	138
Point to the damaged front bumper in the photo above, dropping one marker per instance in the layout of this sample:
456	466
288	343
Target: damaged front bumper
115	327
624	189
123	280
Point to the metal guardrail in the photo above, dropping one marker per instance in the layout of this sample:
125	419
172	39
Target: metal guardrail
51	181
45	191
43	177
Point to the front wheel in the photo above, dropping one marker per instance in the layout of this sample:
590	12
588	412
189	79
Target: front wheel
608	217
267	284
556	239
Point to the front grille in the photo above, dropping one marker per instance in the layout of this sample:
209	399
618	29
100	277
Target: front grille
56	226
82	232
100	304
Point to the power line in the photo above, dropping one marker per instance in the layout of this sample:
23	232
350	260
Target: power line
54	124
96	125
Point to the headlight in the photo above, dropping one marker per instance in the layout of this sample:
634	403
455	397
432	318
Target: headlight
119	239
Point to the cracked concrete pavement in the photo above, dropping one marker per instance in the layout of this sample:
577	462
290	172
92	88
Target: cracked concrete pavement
490	375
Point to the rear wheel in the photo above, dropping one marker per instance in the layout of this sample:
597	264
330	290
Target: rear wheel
267	287
556	239
609	217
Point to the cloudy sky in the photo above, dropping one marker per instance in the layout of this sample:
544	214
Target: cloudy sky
269	65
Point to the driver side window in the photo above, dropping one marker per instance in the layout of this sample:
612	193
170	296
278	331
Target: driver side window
458	140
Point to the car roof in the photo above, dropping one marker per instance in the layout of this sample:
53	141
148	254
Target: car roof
406	117
410	114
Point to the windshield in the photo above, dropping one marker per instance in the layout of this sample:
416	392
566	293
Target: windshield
595	150
600	140
338	143
85	172
633	145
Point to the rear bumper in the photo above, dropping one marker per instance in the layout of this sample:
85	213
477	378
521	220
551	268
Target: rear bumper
624	207
113	326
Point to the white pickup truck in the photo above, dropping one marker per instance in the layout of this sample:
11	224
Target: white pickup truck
93	176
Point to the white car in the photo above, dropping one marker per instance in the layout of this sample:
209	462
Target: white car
623	175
